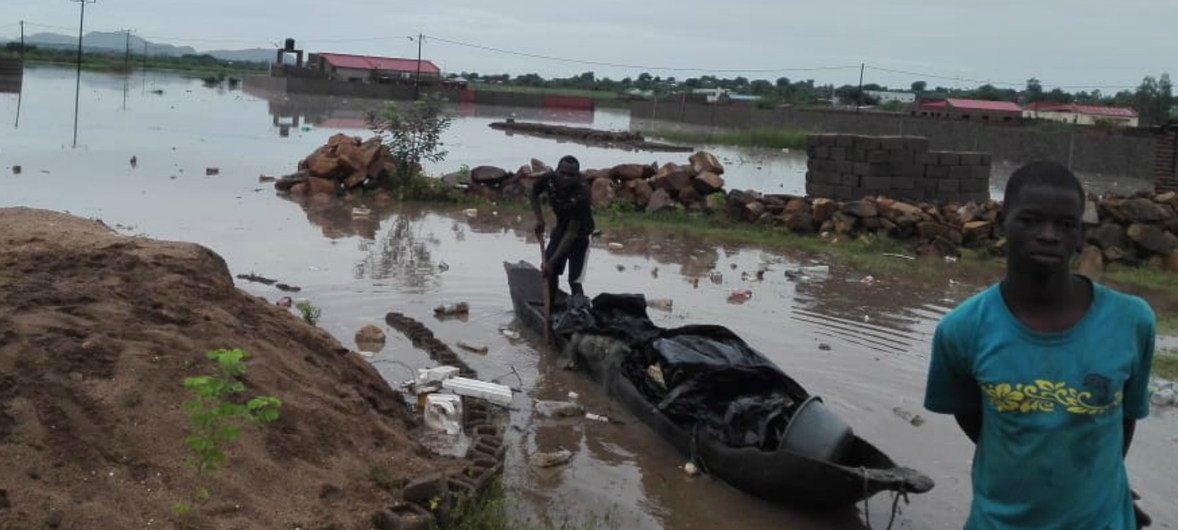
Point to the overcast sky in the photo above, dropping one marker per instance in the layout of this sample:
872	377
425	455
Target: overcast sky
1093	43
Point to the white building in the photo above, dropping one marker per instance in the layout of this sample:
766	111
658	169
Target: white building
887	96
1078	114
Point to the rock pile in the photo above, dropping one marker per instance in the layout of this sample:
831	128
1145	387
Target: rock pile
1134	230
345	163
646	187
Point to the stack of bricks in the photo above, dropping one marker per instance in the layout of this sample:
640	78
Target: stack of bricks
849	167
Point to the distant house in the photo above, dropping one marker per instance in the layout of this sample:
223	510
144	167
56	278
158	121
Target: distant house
369	69
723	96
1079	114
887	96
970	109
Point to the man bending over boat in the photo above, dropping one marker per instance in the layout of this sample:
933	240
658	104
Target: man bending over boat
1046	372
569	241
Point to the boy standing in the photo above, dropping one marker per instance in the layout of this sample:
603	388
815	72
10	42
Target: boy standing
569	241
1046	372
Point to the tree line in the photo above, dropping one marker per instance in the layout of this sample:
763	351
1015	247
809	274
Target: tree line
1153	99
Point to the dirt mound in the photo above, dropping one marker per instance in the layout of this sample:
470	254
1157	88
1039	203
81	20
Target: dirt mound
98	332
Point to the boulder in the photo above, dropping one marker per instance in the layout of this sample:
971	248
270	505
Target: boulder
538	166
342	139
977	230
799	222
708	183
1142	210
843	223
861	209
1090	263
797	205
715	202
1108	235
1112	254
602	192
968	213
641	191
322	163
660	200
897	209
824	210
593	174
488	175
741	196
754	210
671	176
688	195
1153	239
931	229
369	336
298	189
705	161
624	172
355	179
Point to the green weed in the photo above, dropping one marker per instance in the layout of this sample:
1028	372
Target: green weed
759	137
309	312
1165	364
213	417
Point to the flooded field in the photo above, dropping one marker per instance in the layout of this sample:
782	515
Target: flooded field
411	259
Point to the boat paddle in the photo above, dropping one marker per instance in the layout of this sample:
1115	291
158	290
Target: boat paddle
547	295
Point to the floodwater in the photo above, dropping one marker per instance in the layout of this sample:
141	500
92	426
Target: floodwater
410	259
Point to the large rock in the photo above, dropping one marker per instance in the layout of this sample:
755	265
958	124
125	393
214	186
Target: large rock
591	175
977	230
897	209
625	172
931	230
861	209
797	205
1153	239
1090	263
708	183
641	191
602	192
715	202
968	213
660	200
1108	235
1091	214
1171	262
688	195
322	163
1142	210
843	223
539	166
705	161
488	175
342	139
824	209
355	179
753	211
800	222
671	177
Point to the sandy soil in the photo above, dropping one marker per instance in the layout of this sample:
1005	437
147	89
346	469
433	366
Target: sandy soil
98	332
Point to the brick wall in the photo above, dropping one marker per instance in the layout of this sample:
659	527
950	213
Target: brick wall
850	167
1166	161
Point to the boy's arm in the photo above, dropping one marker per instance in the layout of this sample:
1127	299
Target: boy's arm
537	190
951	387
571	232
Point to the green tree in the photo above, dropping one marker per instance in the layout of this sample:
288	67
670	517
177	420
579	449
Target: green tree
1153	100
919	86
1034	90
412	135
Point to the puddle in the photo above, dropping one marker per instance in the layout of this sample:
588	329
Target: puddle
862	346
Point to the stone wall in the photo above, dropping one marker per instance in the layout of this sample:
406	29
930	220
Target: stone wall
1166	160
1114	152
849	167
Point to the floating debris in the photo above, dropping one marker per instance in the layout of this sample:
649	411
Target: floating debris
473	348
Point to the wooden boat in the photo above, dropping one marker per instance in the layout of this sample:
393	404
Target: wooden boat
779	475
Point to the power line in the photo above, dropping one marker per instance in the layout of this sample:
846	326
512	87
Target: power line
638	66
994	83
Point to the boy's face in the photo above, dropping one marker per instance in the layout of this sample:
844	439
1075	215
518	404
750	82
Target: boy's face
1043	228
567	179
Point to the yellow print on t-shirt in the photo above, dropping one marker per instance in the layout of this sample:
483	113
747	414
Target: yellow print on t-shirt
1043	396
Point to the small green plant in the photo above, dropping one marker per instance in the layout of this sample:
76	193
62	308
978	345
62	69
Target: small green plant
413	134
309	312
213	415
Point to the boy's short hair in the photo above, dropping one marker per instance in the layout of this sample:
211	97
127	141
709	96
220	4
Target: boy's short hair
1041	173
568	165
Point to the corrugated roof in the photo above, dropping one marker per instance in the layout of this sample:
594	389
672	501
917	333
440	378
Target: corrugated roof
1091	110
366	62
980	104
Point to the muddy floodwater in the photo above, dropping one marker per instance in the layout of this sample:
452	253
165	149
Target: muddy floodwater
861	343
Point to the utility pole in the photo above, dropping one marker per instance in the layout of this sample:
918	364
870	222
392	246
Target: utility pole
417	80
859	97
22	41
78	84
127	53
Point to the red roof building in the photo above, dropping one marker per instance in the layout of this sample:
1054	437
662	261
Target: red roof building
970	109
371	69
1081	114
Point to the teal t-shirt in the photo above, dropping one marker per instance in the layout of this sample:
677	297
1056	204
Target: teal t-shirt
1052	406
